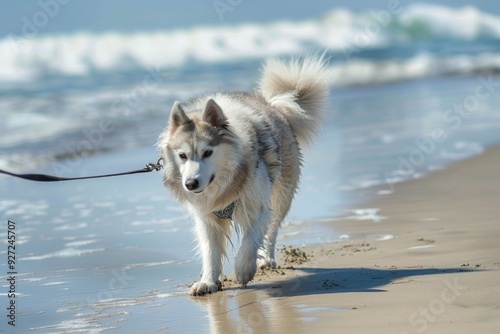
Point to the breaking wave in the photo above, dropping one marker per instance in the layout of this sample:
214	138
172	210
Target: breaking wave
341	31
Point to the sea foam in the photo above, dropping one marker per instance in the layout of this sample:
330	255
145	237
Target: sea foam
83	53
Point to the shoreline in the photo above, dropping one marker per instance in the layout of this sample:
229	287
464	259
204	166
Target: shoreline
390	275
438	272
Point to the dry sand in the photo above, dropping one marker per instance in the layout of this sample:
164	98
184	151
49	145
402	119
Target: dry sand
439	274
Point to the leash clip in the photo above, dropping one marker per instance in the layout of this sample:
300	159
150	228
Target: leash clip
157	166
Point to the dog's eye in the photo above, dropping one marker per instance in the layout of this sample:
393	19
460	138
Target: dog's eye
183	156
207	153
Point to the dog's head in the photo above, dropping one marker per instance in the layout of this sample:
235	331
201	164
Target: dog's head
197	146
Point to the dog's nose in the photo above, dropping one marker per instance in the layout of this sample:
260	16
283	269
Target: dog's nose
192	184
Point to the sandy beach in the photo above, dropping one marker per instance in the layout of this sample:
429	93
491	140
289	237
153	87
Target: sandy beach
430	265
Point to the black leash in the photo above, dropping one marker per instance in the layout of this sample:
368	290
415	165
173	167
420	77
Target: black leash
50	178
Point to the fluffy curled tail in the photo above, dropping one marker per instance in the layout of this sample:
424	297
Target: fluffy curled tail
299	89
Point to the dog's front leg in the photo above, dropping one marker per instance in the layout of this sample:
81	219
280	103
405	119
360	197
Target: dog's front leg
212	239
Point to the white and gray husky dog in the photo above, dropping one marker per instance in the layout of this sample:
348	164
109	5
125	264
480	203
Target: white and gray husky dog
233	159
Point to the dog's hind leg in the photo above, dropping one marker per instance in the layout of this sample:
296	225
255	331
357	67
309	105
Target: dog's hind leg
281	200
212	235
280	204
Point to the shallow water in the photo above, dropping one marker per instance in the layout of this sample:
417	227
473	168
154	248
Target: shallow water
114	253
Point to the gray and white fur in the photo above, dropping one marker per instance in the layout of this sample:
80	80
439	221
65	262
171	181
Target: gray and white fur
240	148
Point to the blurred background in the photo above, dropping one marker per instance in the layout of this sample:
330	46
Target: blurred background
86	87
81	78
64	65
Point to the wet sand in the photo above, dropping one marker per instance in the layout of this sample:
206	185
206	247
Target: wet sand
431	266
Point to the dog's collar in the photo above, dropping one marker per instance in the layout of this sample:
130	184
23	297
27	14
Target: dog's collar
227	212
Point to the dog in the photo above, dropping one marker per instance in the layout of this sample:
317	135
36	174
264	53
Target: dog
233	160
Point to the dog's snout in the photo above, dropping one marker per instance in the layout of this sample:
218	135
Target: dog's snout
192	184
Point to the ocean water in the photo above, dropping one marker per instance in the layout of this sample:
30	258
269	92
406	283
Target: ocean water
410	94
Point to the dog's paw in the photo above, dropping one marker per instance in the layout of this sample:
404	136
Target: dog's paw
245	271
203	288
263	263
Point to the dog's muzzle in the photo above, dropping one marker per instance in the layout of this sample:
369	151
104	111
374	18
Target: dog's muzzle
194	184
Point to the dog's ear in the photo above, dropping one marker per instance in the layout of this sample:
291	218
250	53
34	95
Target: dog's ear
214	115
177	116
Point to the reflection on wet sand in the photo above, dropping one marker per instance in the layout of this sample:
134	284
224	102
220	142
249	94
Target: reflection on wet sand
249	311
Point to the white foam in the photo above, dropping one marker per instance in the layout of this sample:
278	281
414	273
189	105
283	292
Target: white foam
35	279
64	253
150	264
290	234
466	23
367	214
420	247
71	227
38	208
28	126
364	72
4	204
380	237
54	283
82	53
472	147
164	221
87	325
128	302
81	243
